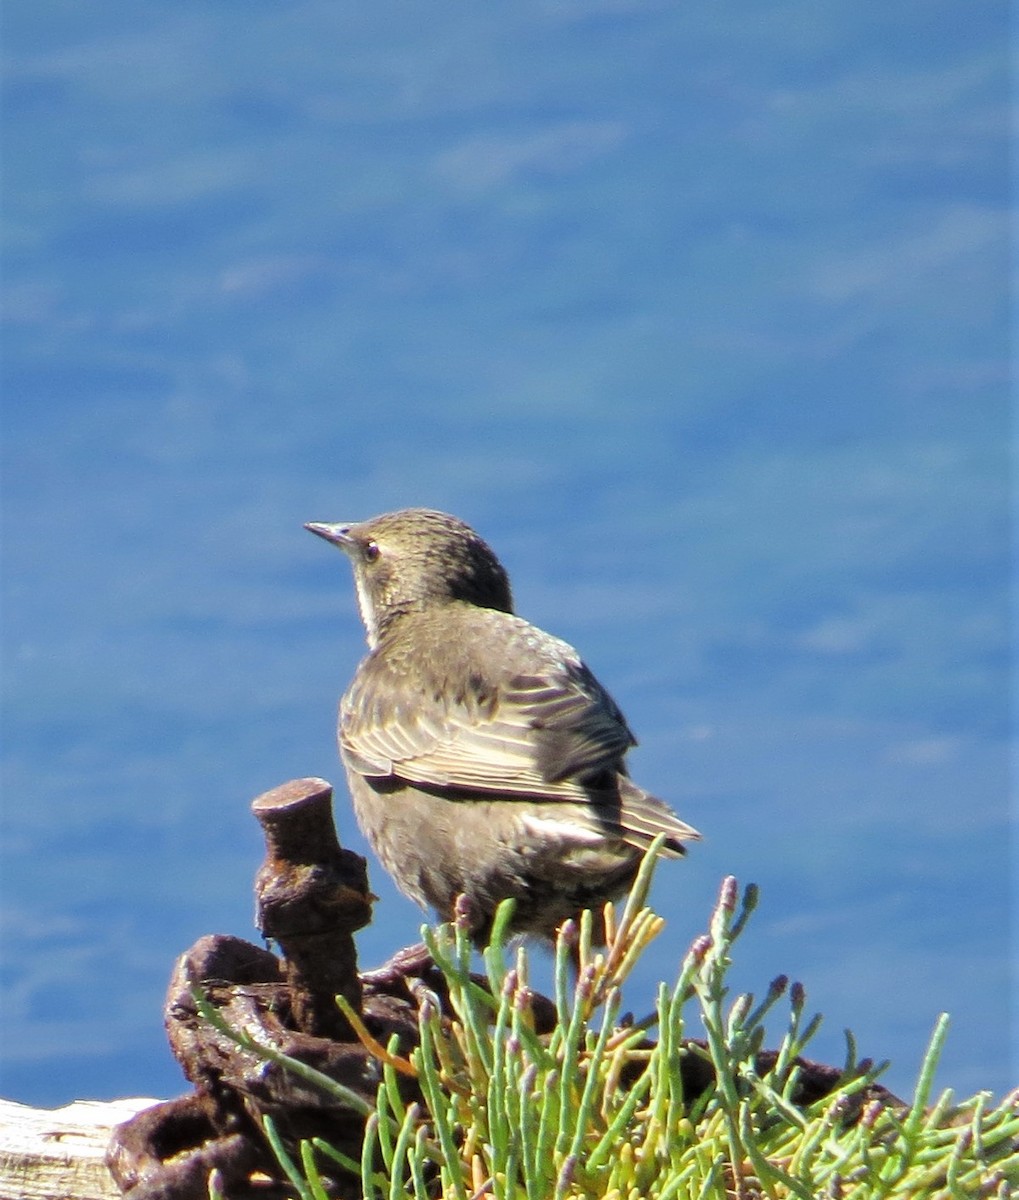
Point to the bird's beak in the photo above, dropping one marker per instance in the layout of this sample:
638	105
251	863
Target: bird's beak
339	535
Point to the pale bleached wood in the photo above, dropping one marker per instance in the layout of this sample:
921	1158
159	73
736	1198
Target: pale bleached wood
58	1154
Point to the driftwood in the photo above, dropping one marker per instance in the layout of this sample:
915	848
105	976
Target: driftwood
56	1154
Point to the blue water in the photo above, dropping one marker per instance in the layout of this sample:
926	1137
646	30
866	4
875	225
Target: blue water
699	317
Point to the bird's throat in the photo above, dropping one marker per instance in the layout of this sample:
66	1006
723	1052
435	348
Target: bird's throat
366	607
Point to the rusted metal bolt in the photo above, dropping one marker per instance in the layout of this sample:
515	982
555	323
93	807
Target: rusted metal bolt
311	896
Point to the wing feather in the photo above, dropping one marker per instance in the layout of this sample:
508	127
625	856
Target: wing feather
539	733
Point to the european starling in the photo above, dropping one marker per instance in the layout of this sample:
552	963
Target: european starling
482	755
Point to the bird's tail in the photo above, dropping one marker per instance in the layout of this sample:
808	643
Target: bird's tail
643	817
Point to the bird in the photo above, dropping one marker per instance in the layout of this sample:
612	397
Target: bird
483	757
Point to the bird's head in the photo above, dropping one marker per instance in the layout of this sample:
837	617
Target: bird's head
415	559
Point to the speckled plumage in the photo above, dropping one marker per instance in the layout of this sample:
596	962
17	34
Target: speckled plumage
482	755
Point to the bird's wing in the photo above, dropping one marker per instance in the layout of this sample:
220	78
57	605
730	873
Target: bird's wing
538	734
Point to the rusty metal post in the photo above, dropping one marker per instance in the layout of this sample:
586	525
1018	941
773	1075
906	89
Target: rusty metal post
311	896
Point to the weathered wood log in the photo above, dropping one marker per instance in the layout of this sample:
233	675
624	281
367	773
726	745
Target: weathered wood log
60	1154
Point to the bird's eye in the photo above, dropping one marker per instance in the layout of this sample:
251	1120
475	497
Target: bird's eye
371	551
